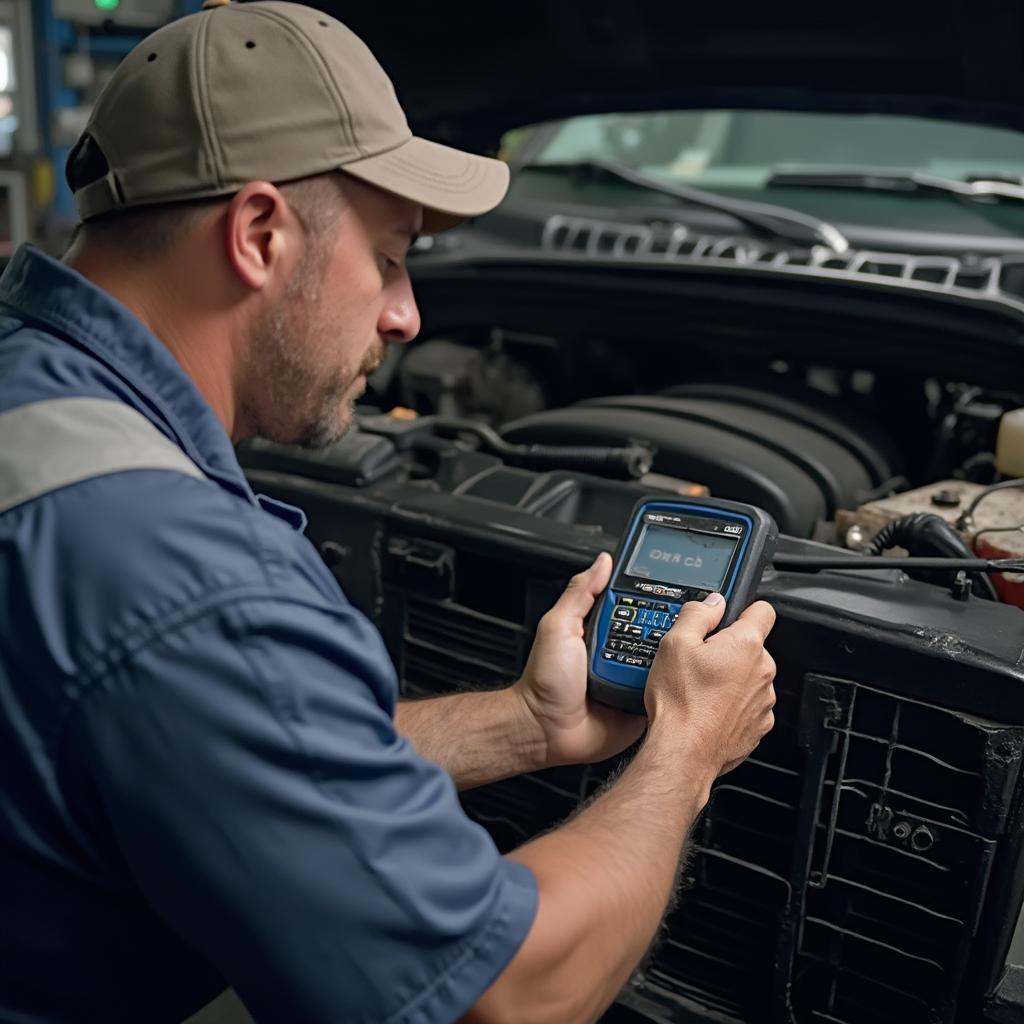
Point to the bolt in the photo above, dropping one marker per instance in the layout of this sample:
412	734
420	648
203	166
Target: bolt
333	553
962	586
922	839
879	820
946	498
856	539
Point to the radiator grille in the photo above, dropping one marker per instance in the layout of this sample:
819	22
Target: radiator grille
837	875
846	851
446	645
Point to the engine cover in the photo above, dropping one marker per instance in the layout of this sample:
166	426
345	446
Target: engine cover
796	462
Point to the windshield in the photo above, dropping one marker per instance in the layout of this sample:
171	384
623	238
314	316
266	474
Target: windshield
741	148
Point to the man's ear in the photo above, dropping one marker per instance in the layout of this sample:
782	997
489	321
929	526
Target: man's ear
260	234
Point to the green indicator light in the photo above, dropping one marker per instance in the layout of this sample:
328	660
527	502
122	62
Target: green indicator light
107	5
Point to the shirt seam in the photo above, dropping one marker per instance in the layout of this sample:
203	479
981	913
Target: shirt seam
182	616
94	658
88	681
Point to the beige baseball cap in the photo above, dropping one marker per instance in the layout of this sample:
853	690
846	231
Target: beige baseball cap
267	91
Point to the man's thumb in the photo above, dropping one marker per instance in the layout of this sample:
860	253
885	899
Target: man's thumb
698	618
578	597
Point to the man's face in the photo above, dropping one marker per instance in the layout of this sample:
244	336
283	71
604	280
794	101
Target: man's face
349	297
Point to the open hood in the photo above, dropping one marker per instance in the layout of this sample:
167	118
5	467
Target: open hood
466	73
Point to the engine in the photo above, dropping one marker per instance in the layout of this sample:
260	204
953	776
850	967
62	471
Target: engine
828	451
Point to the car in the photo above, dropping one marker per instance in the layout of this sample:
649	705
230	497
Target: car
774	255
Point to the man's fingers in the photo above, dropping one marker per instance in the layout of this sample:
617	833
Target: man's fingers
698	618
578	597
761	616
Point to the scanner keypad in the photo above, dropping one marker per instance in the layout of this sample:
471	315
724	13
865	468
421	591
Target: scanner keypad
637	627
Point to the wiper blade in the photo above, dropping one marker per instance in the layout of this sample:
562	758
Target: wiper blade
774	221
894	179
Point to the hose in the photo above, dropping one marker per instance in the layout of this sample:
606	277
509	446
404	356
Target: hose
626	463
925	533
967	518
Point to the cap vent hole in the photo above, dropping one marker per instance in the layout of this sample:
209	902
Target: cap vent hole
250	45
324	24
151	58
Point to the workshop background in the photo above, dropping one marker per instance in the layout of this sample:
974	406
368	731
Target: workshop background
55	56
627	321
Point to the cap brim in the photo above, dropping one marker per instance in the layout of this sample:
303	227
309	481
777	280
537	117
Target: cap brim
450	185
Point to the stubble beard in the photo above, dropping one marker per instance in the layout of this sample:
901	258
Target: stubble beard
295	401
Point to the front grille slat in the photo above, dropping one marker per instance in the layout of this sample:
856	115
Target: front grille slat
446	645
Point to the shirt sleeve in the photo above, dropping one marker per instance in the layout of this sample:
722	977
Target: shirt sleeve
271	814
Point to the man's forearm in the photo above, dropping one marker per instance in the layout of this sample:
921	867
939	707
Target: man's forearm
605	879
476	737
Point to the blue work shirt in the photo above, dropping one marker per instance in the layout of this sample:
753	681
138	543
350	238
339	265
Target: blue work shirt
200	778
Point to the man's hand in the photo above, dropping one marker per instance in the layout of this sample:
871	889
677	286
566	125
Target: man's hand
554	684
717	691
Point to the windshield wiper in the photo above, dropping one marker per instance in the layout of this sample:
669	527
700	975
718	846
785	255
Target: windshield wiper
776	222
893	179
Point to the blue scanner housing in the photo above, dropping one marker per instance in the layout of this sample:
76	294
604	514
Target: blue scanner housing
672	552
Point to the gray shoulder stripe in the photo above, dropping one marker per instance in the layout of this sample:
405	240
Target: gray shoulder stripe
51	444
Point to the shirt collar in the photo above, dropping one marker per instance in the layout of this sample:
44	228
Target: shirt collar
49	292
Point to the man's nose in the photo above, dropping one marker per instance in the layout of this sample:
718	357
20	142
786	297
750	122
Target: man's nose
400	319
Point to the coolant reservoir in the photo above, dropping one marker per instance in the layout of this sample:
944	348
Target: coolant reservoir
1010	444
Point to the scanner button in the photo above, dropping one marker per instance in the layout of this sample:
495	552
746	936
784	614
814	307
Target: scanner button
632	659
617	627
624	614
655	636
636	631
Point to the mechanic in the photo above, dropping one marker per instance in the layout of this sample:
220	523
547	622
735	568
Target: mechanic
204	775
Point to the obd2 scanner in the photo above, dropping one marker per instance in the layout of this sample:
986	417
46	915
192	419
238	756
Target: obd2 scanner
672	552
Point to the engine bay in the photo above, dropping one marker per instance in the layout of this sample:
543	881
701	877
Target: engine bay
816	445
864	863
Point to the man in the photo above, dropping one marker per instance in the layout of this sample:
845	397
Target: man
204	779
